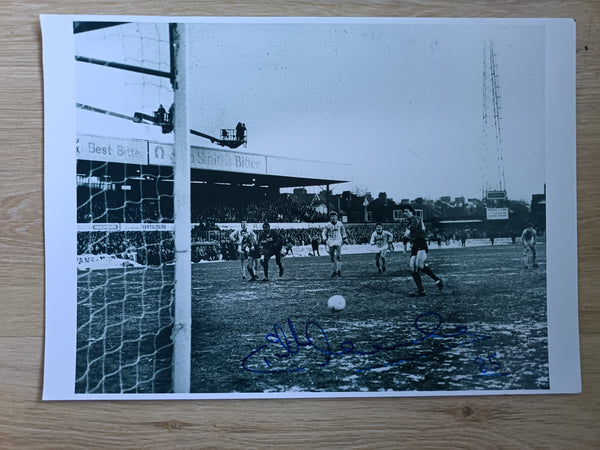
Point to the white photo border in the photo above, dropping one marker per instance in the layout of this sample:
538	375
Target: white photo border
60	201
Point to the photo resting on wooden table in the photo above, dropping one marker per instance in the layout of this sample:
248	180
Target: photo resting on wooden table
309	207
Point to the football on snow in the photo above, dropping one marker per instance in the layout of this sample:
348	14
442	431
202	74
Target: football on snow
336	303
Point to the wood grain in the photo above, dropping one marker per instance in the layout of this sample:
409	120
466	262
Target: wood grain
559	421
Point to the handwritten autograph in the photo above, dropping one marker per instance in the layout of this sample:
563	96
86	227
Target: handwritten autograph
283	345
489	367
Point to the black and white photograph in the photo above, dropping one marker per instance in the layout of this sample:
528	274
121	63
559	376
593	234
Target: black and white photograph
309	207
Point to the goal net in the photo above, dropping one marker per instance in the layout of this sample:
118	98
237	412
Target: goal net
126	300
125	287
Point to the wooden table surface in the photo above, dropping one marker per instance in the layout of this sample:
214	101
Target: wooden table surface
547	421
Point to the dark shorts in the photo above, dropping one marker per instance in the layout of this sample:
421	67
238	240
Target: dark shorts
268	252
417	245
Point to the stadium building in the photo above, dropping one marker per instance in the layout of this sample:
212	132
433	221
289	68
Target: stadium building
125	194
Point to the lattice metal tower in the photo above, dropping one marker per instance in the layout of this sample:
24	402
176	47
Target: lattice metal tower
492	156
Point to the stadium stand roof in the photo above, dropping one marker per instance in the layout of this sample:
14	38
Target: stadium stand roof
214	176
216	165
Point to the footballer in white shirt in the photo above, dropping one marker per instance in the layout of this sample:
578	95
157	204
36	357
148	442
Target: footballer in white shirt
382	240
334	235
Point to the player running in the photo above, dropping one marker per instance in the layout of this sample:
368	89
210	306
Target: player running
334	235
253	255
271	243
238	238
528	238
382	240
418	251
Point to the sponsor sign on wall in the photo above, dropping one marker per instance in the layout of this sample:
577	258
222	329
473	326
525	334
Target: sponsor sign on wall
496	213
97	148
133	151
210	159
110	227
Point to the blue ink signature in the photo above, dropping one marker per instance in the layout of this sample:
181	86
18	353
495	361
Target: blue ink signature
489	367
283	347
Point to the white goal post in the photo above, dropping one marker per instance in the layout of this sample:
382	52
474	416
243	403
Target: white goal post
134	217
182	215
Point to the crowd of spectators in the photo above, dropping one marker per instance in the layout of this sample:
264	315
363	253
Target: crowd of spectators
154	248
157	247
356	233
208	241
111	207
281	208
151	248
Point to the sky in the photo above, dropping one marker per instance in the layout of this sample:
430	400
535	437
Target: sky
402	103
